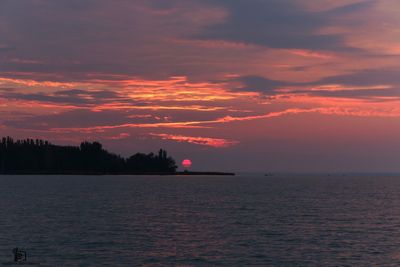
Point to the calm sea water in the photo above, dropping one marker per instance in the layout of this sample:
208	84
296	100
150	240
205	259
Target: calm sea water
202	221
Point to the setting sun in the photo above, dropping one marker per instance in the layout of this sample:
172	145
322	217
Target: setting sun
186	163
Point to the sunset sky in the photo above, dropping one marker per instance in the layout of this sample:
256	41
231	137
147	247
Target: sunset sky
234	85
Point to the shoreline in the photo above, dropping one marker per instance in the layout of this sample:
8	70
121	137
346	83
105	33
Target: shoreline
89	173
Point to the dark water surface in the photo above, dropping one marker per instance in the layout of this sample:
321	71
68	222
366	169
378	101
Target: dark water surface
202	221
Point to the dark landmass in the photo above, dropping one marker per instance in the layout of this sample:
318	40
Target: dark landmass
192	173
204	173
40	157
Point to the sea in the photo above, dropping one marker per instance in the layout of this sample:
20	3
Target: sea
243	220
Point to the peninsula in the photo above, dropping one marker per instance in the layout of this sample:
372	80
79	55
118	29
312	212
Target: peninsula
37	156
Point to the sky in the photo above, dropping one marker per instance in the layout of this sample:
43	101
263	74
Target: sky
233	85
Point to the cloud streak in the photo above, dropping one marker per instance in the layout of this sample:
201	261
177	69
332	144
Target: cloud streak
203	141
390	113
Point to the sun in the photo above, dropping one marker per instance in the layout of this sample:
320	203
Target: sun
186	163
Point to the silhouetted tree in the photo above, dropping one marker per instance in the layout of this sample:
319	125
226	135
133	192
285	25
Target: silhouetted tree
39	156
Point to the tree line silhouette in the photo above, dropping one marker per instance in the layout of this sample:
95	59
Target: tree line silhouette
40	156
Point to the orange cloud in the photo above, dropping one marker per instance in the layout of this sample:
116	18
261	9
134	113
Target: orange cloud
204	141
228	119
33	83
118	136
122	106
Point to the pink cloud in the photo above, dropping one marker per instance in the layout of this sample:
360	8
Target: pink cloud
204	141
118	136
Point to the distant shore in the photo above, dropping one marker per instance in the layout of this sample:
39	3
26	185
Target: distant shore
40	157
205	173
188	173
